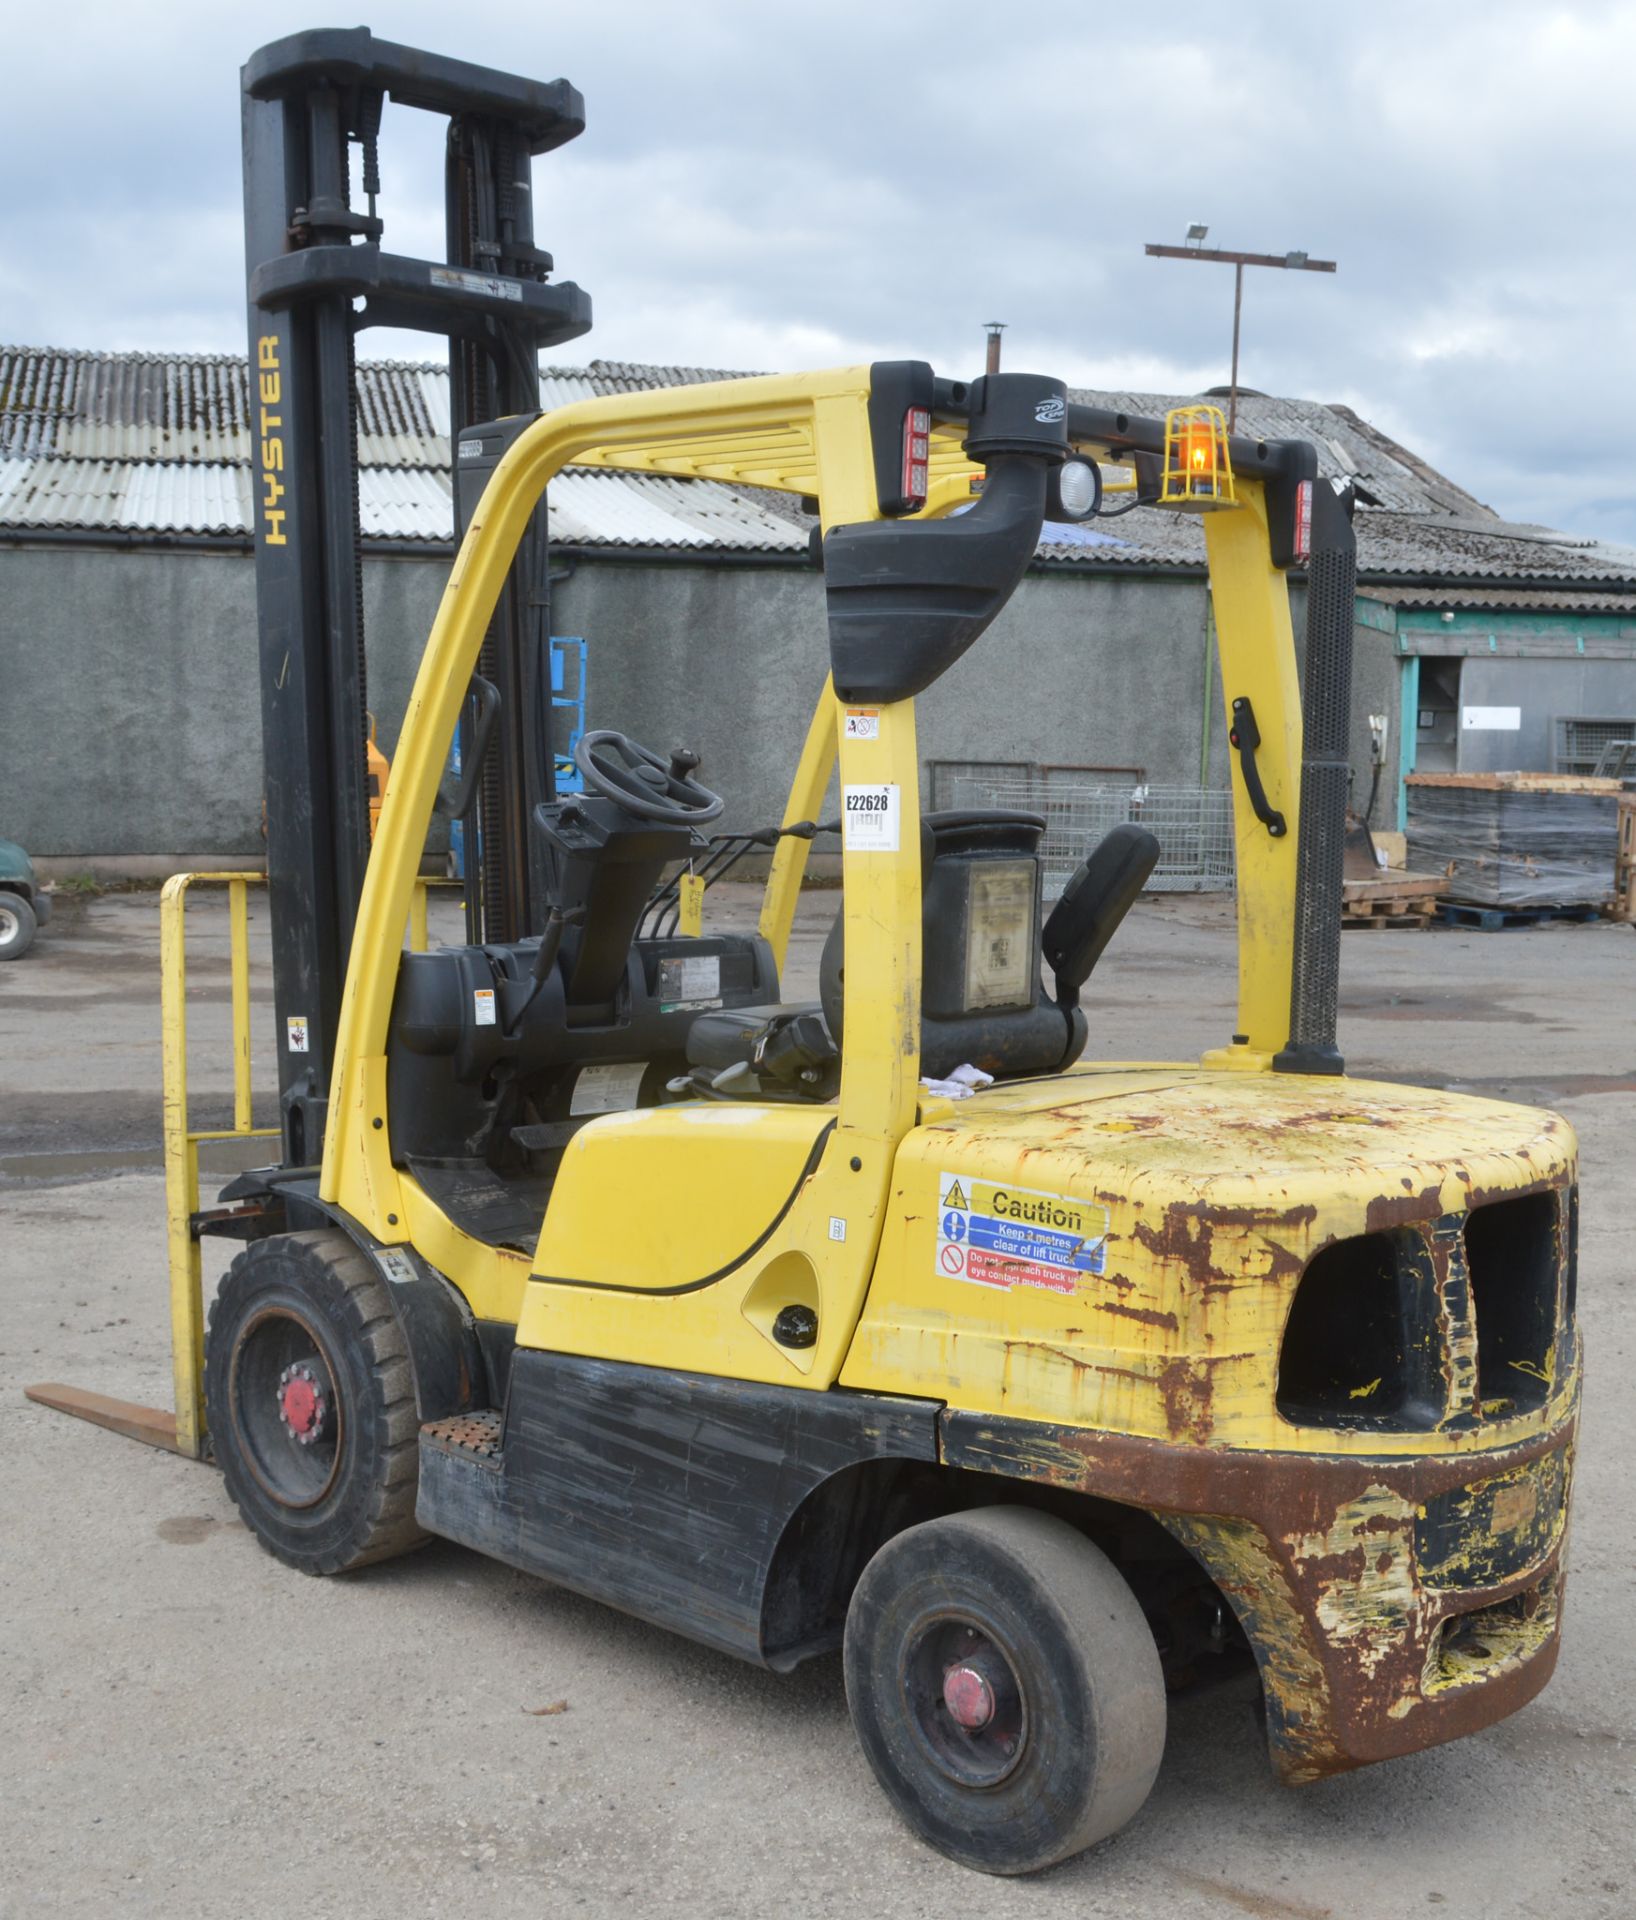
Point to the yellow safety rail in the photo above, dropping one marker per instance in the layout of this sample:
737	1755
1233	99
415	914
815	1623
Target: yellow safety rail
182	1142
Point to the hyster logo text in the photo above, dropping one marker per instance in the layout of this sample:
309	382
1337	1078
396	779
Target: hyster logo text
270	382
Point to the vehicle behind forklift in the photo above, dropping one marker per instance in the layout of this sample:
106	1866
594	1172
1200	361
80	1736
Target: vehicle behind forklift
631	1273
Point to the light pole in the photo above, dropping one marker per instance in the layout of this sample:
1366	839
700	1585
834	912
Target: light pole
1295	261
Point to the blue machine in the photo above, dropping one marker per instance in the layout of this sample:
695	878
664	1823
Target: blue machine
569	777
567	695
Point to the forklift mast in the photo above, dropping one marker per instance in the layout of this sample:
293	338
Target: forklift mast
317	275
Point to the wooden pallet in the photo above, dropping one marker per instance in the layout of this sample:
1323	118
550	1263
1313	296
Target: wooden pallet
1462	913
1401	900
1356	922
1624	865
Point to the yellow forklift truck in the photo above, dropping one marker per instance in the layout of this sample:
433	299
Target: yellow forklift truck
620	1268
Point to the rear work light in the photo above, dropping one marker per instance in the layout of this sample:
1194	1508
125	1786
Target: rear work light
917	447
1074	490
1303	520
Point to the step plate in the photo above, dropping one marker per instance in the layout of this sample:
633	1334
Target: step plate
476	1435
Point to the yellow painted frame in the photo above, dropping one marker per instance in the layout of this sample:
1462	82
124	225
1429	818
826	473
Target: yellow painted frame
807	434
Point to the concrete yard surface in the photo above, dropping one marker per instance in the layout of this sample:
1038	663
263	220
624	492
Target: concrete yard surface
191	1728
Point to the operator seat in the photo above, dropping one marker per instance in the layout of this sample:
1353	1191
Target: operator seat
982	998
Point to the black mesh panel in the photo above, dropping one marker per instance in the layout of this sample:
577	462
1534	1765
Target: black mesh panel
1326	719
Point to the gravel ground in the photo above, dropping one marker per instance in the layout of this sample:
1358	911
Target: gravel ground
193	1729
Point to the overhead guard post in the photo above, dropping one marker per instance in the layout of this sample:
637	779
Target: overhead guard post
1332	578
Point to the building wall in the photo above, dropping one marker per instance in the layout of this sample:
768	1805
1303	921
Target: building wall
130	721
1542	691
130	716
1076	670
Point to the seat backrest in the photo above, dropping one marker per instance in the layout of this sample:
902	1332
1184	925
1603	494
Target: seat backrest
1101	890
982	1000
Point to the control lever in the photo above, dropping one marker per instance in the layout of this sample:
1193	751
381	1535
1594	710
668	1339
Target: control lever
1246	737
557	921
683	761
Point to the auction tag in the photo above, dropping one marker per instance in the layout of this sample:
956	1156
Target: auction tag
690	905
869	819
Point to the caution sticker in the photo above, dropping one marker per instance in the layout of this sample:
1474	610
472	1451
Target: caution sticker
997	1235
863	723
869	819
483	1006
295	1032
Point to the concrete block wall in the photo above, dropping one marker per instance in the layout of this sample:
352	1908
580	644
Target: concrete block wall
130	718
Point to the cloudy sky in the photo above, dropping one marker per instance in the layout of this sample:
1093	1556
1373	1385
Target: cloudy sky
781	186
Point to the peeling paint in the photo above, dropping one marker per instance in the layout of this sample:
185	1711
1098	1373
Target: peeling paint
1371	1606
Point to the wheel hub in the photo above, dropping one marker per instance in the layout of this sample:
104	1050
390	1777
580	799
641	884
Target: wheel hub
303	1408
965	1703
968	1696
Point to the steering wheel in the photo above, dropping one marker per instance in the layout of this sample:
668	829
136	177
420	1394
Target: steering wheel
644	782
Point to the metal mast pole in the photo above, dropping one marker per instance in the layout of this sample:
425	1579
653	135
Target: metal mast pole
1294	261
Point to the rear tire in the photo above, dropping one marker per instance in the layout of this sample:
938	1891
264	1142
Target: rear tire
17	925
310	1400
1005	1687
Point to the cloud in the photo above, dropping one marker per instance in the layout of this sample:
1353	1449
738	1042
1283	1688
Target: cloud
767	187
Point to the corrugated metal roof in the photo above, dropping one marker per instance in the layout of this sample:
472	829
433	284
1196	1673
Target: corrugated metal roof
653	510
125	494
405	503
161	442
1506	599
1348	448
123	406
1435	547
1441	549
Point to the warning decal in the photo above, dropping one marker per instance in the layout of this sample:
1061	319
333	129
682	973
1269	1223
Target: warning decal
1003	1236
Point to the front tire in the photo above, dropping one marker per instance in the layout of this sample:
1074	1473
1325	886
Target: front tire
1005	1687
310	1401
17	924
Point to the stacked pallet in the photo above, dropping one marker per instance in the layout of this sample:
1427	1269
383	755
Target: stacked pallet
1392	900
1624	866
1516	841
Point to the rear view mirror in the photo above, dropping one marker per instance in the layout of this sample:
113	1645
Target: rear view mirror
1101	891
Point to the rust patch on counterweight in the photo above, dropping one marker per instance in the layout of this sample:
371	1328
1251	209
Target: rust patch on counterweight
1361	1657
1187	1238
1389	1210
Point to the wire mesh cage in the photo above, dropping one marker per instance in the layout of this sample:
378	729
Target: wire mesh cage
1582	739
1194	826
1039	780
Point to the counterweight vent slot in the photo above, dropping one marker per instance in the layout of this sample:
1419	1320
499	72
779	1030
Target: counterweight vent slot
1512	1257
1361	1342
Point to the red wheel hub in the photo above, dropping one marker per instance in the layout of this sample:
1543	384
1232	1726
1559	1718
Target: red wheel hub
968	1697
301	1404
